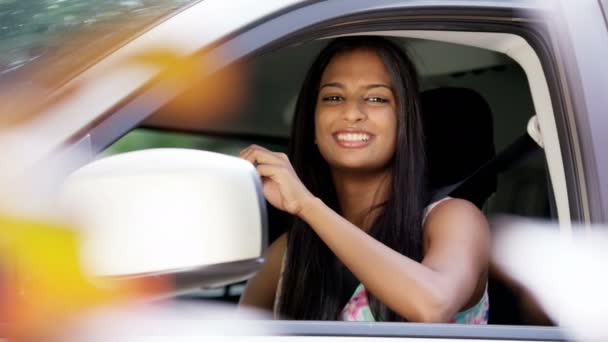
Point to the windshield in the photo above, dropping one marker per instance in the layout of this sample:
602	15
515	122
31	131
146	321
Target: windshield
55	39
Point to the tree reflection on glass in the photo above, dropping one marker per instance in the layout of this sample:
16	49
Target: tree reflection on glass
31	29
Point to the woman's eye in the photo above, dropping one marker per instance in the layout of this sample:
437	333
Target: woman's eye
376	99
332	98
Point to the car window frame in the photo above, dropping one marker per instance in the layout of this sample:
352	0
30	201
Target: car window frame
412	330
604	7
264	37
581	42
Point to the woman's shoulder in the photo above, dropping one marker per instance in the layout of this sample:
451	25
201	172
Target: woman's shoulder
450	216
429	208
450	206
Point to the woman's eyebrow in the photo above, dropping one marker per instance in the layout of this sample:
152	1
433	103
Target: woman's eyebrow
341	86
333	84
379	85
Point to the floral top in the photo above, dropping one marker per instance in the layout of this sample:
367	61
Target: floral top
358	309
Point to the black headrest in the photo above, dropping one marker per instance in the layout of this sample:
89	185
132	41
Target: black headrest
459	134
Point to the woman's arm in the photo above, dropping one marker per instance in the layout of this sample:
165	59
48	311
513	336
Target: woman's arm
456	237
457	254
260	290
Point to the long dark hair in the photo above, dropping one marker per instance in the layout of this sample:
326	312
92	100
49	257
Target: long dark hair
312	284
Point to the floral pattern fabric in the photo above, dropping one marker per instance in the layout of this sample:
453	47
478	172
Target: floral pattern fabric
357	309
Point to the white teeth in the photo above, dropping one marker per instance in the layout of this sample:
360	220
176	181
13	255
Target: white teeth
353	137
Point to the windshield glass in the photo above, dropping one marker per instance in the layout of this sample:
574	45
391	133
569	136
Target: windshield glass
57	38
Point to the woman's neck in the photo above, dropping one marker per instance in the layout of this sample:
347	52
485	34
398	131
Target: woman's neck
361	195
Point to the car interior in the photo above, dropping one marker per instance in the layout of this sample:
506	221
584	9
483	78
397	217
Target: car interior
476	104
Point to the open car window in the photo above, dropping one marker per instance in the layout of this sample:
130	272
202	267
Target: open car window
146	138
267	113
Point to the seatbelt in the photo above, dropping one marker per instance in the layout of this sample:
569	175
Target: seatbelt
522	148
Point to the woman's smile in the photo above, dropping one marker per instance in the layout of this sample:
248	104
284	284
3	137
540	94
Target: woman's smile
353	138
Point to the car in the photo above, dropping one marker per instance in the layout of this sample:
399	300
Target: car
538	66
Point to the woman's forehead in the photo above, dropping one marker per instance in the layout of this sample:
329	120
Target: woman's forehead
361	65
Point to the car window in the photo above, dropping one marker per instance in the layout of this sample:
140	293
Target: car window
64	35
145	138
276	77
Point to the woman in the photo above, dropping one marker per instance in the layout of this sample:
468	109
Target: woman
357	193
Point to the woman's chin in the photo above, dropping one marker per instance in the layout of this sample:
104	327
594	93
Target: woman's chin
359	166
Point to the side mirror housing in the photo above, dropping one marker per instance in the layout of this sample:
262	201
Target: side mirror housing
199	216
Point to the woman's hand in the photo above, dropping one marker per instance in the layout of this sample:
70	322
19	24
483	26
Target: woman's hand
281	185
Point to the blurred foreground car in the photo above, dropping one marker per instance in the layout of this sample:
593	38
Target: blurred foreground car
538	66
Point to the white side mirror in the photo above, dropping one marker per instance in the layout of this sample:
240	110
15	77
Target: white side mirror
198	215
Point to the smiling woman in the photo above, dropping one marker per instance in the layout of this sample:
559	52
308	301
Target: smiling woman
366	244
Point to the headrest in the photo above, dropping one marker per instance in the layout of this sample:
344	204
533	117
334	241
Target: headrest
459	136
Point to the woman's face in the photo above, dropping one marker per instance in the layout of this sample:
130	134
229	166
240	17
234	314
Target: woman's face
355	117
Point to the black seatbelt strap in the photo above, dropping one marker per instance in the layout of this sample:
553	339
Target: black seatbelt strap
522	148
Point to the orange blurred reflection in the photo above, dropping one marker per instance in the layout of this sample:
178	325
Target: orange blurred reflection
205	96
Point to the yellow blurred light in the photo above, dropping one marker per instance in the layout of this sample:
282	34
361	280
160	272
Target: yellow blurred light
47	286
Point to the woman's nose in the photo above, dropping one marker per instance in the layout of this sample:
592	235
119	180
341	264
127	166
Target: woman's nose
354	111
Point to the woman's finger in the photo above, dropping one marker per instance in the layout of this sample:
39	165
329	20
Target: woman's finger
254	147
258	147
263	156
270	171
247	152
281	156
